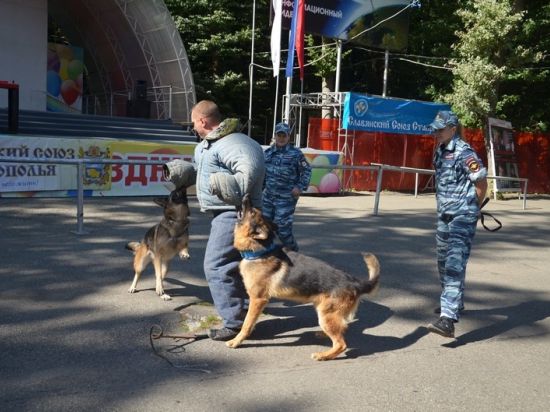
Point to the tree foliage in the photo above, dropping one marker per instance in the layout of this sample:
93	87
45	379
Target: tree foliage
217	35
485	57
486	54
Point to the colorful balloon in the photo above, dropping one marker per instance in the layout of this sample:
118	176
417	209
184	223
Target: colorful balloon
318	173
75	68
69	91
312	189
64	69
53	83
329	183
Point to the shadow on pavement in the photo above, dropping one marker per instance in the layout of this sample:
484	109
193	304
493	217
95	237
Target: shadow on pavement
525	314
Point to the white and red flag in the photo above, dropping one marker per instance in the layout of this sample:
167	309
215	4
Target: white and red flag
276	36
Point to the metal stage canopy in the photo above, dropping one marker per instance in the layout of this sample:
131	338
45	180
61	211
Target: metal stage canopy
127	43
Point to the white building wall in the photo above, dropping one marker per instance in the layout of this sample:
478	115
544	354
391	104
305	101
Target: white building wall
24	50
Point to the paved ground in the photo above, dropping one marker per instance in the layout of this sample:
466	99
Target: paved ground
72	338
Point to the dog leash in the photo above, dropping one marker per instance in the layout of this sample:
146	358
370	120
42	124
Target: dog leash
482	218
156	332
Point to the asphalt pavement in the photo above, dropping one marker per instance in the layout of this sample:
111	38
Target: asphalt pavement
72	338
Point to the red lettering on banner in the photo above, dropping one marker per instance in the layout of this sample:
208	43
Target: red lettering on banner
157	172
116	170
140	176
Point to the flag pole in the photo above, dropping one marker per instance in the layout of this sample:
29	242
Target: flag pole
337	81
288	91
385	80
251	69
275	110
298	134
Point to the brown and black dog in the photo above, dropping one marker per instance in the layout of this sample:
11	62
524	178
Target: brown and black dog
269	271
163	241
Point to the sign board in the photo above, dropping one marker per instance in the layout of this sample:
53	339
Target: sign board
381	114
99	179
353	20
103	179
503	155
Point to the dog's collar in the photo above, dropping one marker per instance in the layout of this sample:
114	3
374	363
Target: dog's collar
256	254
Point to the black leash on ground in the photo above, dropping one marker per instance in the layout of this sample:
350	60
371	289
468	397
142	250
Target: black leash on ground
156	332
482	218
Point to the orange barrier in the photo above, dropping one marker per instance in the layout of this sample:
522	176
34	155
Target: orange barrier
416	151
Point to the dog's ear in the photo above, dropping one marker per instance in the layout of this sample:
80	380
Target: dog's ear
161	201
260	233
246	202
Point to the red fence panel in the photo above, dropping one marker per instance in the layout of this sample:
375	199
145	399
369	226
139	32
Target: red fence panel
364	148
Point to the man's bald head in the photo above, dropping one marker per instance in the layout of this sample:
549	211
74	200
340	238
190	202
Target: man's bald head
206	117
209	110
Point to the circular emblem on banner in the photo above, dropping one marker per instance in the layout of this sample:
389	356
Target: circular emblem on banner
360	107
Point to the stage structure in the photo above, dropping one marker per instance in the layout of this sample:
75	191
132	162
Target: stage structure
109	57
133	53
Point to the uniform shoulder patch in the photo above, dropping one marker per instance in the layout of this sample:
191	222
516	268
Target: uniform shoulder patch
472	163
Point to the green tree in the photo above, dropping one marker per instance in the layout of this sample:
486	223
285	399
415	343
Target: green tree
485	57
217	36
525	94
486	54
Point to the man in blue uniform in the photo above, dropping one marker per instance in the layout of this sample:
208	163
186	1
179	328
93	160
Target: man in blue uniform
461	186
287	175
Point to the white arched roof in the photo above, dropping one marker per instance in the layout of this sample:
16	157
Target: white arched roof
126	41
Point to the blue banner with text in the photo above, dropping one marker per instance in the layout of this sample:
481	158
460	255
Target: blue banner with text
379	114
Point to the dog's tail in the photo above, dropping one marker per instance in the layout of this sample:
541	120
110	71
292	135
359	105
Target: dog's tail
373	265
133	246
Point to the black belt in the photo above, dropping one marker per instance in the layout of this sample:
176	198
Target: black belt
482	218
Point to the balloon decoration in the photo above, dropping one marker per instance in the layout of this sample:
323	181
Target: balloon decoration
324	179
64	77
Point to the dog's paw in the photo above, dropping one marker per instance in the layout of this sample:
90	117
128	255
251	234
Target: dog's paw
184	255
233	343
164	296
132	290
320	356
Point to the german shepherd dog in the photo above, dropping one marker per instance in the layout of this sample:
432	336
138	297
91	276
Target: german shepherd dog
269	271
163	241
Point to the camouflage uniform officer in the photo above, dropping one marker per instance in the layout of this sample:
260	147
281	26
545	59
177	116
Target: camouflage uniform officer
461	185
287	176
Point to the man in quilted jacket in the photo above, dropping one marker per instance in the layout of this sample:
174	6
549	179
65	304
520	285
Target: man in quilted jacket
228	165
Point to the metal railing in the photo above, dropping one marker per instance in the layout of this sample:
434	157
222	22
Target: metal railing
80	163
378	167
115	103
417	172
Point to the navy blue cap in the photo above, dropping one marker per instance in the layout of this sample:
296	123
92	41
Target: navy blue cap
443	119
282	128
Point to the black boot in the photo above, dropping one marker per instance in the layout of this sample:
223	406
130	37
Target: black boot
444	326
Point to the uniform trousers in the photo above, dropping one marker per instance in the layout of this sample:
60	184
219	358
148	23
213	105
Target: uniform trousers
281	211
454	240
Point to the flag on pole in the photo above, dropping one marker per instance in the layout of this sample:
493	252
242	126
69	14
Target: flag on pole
292	40
276	36
296	39
300	37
